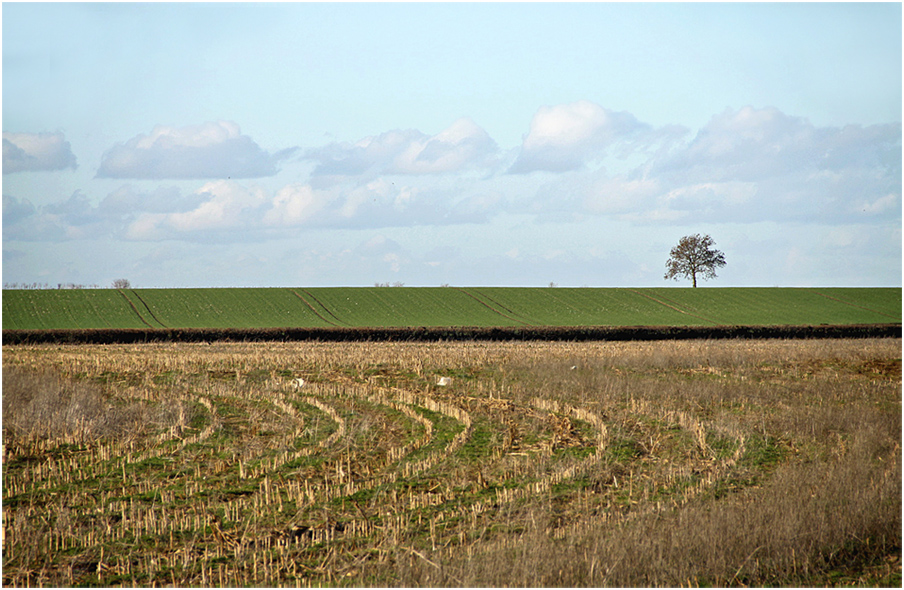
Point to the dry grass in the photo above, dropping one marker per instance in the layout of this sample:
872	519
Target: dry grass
40	406
721	463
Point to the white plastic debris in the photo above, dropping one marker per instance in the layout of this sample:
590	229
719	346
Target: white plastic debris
444	381
298	383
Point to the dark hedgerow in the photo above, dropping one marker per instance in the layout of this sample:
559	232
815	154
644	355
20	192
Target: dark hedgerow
428	334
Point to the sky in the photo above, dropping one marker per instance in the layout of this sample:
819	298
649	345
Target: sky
510	144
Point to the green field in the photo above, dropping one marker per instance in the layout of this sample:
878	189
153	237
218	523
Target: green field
444	306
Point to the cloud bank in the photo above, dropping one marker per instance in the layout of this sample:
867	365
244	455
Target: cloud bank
744	166
36	152
210	150
751	165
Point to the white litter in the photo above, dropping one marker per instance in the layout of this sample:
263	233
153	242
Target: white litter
443	381
298	383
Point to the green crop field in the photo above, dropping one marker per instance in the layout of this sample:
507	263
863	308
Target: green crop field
224	308
67	309
444	306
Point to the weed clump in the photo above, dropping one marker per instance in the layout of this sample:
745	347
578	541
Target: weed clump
42	405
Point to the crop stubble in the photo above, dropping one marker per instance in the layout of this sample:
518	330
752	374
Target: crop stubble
543	464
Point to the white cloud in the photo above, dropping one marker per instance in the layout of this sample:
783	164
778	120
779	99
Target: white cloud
198	136
127	201
743	169
565	137
883	205
224	205
757	143
745	166
785	168
620	194
226	210
210	150
15	210
293	205
749	144
36	151
230	205
73	218
460	147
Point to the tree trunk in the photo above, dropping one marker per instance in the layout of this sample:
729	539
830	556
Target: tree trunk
695	280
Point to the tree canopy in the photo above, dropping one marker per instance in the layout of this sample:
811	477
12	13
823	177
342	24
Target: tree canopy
694	255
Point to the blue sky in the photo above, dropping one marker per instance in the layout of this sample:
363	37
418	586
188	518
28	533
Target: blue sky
188	145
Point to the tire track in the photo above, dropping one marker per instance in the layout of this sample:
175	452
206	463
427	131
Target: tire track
313	309
447	410
678	309
854	305
174	432
325	308
146	306
490	307
341	480
511	311
544	483
565	304
135	309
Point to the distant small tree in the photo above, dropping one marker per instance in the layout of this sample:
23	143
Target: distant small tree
694	255
122	284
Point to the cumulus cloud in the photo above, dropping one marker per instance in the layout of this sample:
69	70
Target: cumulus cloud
36	151
229	211
756	164
220	209
70	219
750	144
746	166
462	146
565	137
210	150
15	210
382	252
127	201
293	205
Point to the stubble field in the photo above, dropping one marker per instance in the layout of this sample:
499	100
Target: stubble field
721	463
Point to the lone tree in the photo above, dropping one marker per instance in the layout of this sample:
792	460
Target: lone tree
692	256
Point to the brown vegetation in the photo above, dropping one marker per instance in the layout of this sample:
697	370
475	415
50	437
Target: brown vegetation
727	463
